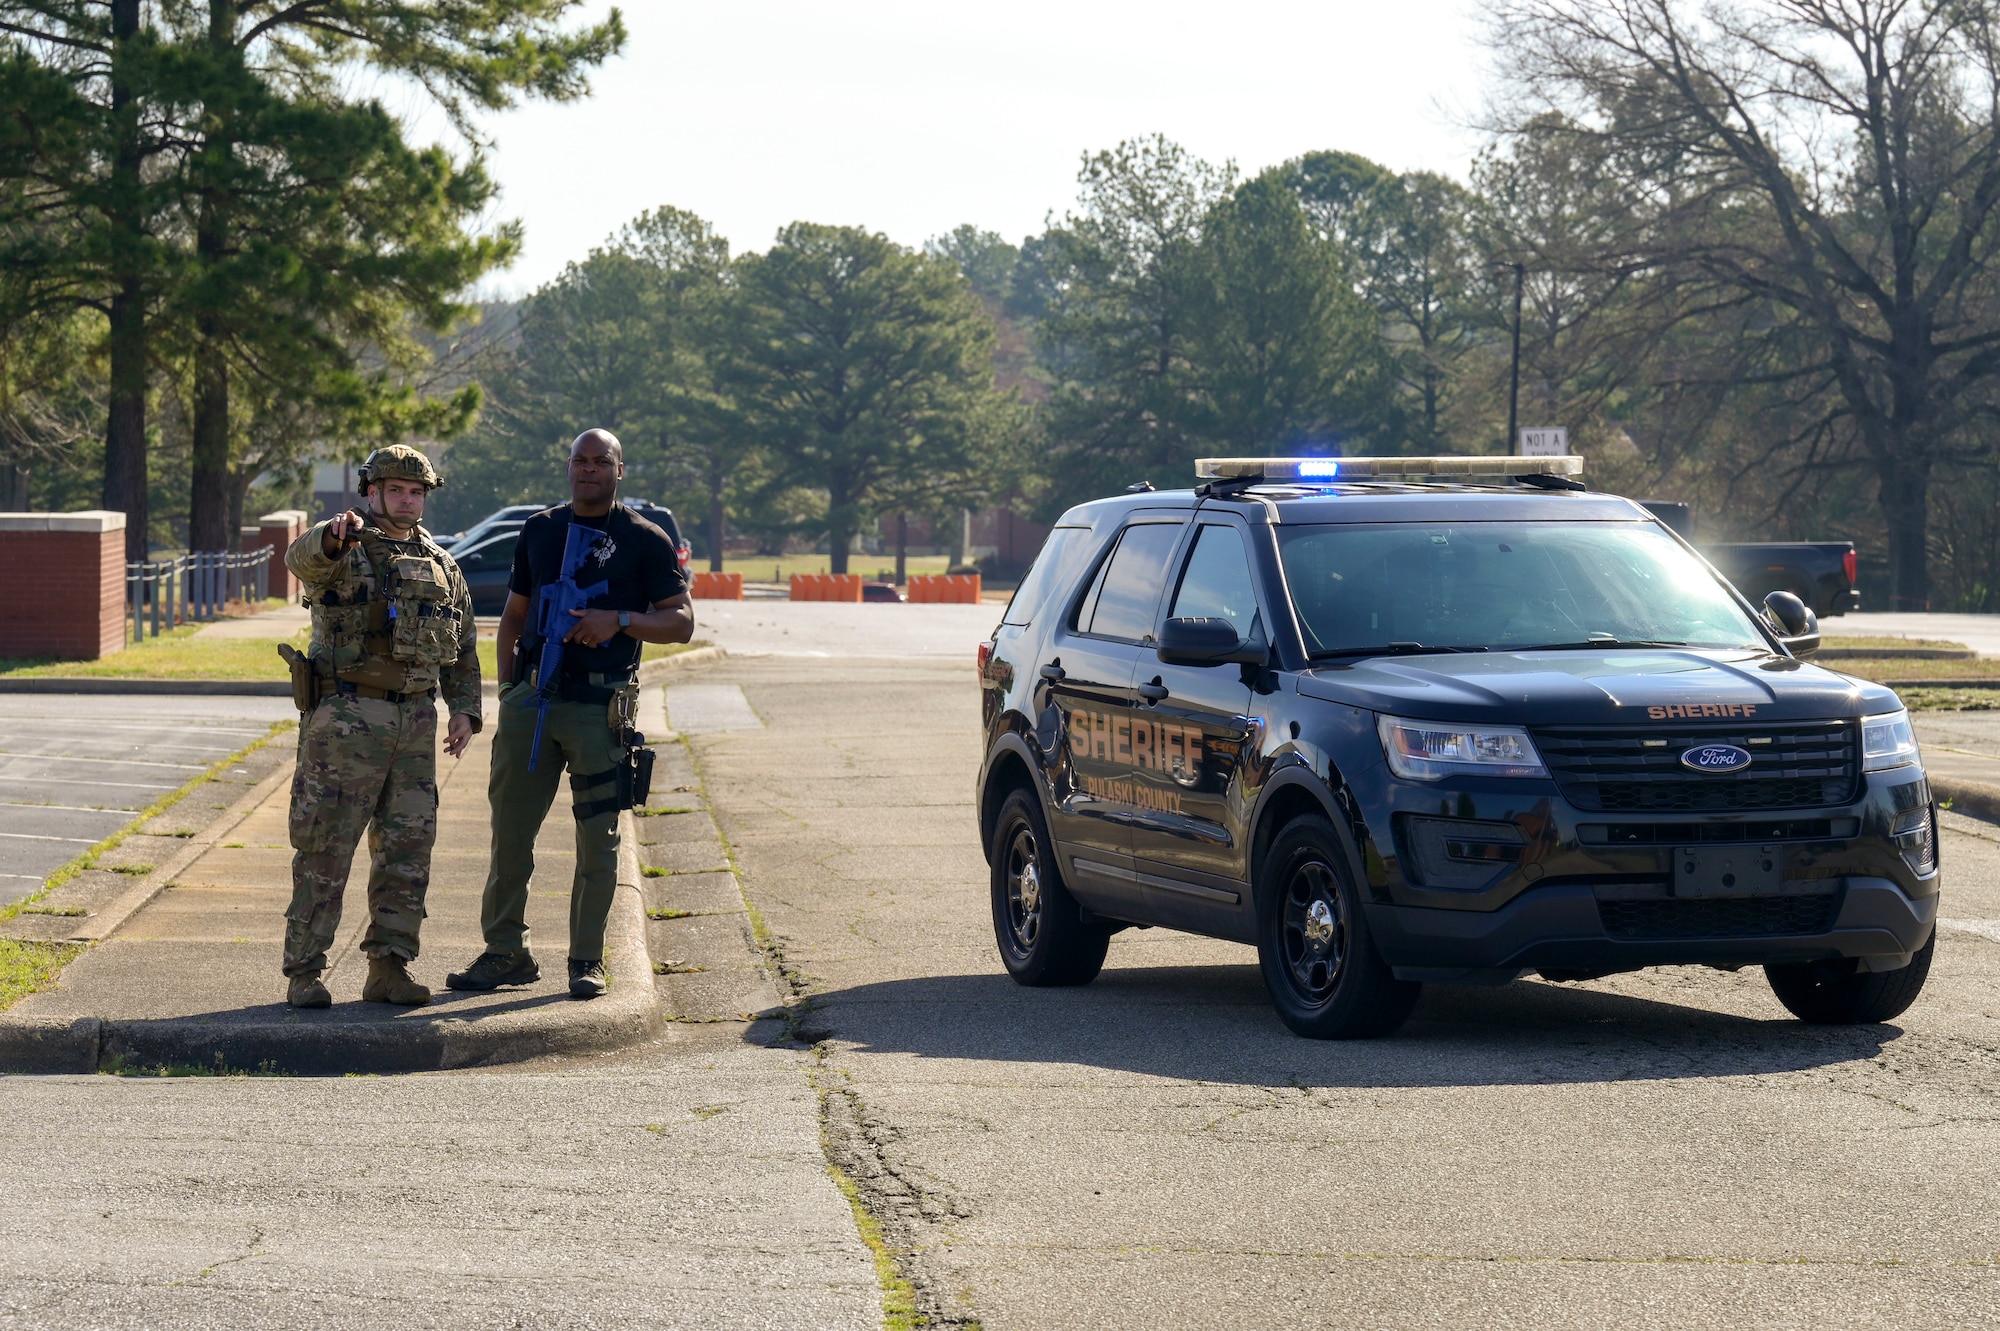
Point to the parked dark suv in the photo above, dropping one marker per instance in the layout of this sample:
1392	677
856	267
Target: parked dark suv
1401	720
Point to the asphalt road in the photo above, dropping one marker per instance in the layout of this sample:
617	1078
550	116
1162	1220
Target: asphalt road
1153	1150
1156	1150
74	768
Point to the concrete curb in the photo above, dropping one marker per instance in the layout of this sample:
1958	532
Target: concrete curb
342	1041
1973	798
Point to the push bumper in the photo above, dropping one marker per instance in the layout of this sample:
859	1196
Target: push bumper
1560	928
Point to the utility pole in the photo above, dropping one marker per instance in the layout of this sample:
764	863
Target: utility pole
1514	381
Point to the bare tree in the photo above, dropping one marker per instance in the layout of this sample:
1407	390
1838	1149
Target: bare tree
1838	160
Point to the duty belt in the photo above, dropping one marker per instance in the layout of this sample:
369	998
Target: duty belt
593	687
381	695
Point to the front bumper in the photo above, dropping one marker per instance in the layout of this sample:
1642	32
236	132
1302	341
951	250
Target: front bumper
1561	928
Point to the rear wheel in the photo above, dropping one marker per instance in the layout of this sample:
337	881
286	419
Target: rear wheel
1840	993
1043	936
1325	978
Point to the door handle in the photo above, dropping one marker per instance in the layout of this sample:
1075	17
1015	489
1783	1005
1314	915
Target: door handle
1053	672
1153	692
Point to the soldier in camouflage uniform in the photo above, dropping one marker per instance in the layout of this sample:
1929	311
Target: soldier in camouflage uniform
392	627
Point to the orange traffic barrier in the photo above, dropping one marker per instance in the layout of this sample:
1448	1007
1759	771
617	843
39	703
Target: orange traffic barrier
826	586
944	589
718	586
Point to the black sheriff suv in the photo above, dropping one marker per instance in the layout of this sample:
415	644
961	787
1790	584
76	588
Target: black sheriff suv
1403	720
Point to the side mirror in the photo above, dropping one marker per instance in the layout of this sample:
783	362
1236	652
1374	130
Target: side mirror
1208	641
1798	626
472	559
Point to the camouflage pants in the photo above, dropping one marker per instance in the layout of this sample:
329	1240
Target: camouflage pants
364	765
577	738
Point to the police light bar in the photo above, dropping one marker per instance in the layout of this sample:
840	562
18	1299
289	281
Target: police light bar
1358	469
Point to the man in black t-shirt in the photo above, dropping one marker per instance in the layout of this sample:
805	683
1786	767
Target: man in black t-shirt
645	600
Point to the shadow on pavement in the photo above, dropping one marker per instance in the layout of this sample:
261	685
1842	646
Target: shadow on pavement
1215	1024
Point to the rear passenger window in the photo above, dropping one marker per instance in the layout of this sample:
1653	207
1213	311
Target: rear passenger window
1054	573
1127	594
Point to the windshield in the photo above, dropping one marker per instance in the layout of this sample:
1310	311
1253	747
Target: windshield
1503	586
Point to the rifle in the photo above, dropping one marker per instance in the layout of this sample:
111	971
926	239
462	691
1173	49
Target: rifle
553	620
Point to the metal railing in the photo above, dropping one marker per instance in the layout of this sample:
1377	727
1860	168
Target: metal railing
192	587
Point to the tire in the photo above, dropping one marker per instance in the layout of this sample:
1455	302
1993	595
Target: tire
1840	993
1320	965
1043	936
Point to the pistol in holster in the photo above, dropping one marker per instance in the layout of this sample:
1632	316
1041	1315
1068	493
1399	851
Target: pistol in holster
635	772
306	681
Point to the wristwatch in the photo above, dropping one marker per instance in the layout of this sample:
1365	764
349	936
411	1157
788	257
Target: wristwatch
624	620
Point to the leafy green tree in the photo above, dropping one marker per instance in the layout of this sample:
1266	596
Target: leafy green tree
865	369
1283	355
181	156
1114	284
622	340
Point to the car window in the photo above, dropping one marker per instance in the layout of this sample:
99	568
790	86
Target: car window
1505	585
1054	572
1127	594
1217	583
495	553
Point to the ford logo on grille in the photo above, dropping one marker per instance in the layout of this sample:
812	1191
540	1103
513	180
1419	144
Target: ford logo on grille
1716	758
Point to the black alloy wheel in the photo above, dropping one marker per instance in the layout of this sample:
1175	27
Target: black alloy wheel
1325	978
1043	935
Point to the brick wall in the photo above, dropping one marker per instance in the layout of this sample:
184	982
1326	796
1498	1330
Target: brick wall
64	593
276	531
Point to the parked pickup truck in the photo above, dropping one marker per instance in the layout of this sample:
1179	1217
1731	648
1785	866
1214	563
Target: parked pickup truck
1820	573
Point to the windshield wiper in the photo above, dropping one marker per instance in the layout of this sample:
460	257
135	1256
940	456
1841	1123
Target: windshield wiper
1393	649
1598	642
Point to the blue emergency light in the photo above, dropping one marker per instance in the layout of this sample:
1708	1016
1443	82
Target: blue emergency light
1277	471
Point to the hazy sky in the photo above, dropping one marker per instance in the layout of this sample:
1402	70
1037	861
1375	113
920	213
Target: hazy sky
910	118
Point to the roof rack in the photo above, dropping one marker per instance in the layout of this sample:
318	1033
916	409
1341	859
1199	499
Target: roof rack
1280	470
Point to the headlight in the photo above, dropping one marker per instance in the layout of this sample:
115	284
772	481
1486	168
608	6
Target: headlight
1887	741
1427	750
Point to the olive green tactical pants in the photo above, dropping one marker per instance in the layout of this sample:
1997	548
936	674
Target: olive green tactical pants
577	738
364	765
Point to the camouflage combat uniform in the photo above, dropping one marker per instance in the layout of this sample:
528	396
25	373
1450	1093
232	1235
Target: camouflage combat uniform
392	628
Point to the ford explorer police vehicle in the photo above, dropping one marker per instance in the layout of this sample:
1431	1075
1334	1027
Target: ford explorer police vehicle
1403	720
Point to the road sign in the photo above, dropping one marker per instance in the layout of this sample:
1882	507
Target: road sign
1548	441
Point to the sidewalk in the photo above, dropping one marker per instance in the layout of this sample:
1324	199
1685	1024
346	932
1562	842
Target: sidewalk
192	977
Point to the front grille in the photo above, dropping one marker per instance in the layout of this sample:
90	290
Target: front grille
1694	834
1728	917
1803	766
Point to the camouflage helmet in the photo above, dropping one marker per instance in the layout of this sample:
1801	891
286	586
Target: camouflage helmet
398	462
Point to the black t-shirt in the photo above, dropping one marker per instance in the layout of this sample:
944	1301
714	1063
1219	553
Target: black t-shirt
636	558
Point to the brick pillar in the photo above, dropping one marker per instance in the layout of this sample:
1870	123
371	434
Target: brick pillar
277	531
64	593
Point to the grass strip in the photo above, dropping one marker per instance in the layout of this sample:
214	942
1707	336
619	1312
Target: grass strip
1905	667
179	654
1888	646
27	966
1950	700
89	858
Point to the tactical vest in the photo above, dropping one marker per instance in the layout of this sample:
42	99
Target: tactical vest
384	625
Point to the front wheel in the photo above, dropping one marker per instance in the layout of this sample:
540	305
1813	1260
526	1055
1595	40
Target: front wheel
1325	978
1840	993
1043	936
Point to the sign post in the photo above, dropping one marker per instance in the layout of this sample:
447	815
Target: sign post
1548	441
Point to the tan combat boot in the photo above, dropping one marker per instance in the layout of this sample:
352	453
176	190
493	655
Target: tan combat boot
389	982
307	991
